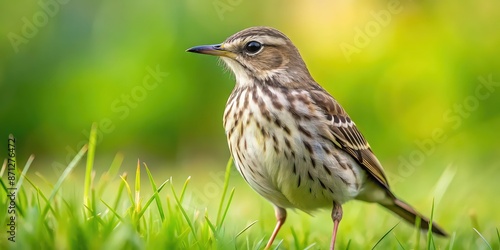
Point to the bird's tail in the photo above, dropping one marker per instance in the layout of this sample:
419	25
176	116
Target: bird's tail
406	212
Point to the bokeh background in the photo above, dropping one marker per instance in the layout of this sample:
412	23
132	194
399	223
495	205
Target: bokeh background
420	78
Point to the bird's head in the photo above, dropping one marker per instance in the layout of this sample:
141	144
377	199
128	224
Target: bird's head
260	55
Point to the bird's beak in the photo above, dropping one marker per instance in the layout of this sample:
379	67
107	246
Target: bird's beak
215	50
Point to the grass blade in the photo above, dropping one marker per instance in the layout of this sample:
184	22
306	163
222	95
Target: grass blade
227	208
348	244
418	221
183	211
61	179
137	187
3	186
129	191
110	175
115	165
387	233
112	210
295	238
444	182
156	193
38	192
430	238
399	243
498	235
484	239
120	190
150	200
211	225
452	241
245	229
4	166
224	190
90	164
307	248
184	187
25	170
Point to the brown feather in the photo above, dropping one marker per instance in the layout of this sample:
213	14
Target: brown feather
347	135
406	212
351	140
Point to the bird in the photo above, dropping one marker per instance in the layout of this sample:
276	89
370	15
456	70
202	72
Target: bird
291	141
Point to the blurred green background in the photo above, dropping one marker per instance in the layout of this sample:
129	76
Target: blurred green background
404	70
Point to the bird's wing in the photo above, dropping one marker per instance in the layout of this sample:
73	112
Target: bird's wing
344	133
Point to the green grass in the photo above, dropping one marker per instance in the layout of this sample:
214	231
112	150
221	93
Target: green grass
120	211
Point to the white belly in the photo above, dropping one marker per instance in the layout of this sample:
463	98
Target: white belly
272	157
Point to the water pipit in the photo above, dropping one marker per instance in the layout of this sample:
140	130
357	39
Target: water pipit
291	140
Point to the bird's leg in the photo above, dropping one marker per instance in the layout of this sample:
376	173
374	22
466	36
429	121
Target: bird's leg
280	218
336	217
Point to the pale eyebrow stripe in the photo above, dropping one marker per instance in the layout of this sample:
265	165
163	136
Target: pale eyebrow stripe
272	40
264	39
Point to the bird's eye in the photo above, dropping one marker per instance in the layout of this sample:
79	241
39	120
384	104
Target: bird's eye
253	47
